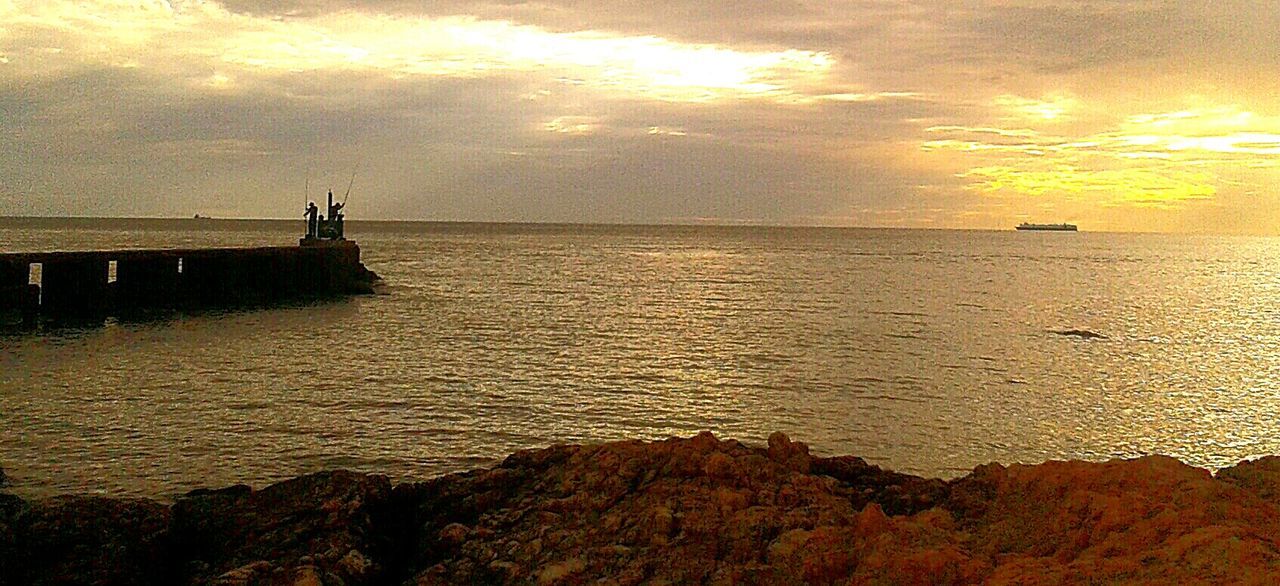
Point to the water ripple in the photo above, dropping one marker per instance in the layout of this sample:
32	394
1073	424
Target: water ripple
923	351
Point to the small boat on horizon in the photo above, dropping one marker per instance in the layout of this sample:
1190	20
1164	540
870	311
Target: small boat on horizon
1048	227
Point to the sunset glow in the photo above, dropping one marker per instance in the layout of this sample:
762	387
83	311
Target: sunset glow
186	36
1151	160
882	114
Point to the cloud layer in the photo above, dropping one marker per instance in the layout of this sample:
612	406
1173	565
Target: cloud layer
1129	115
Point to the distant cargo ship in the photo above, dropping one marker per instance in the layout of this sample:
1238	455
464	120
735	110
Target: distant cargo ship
1050	227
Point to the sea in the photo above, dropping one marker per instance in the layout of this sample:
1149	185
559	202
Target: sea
923	351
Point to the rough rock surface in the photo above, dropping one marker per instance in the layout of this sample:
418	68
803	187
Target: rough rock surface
1262	476
695	510
323	526
86	540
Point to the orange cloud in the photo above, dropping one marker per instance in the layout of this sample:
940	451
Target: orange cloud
1150	160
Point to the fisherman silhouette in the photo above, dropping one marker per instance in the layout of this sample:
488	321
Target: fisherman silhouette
313	226
334	229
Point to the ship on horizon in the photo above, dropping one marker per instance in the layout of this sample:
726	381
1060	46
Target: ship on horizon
1048	227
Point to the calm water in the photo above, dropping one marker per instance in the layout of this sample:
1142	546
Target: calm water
925	351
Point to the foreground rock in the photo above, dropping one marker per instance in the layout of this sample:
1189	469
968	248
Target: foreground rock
87	540
324	528
697	510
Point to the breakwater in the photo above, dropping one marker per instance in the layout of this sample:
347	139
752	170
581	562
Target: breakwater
694	510
99	282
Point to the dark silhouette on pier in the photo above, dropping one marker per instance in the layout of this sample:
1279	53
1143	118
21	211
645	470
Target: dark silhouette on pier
81	285
313	222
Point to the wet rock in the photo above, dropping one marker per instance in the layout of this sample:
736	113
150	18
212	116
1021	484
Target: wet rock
706	510
89	540
896	493
362	281
328	525
1262	476
969	497
251	573
11	507
558	572
684	510
793	455
1151	520
676	511
1082	334
366	275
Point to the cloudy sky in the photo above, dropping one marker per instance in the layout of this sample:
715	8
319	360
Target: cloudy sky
1113	114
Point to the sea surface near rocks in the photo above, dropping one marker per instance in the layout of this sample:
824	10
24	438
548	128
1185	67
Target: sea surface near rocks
696	510
925	351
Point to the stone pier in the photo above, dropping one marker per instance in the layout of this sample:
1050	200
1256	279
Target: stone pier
16	294
80	283
147	282
74	285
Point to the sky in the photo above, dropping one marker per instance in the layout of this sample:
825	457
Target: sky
1124	115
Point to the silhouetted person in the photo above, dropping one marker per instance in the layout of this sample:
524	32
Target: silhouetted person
313	224
333	230
336	215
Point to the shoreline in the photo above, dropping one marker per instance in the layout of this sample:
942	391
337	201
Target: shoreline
682	510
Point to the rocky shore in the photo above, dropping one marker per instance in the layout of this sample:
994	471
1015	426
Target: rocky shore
695	510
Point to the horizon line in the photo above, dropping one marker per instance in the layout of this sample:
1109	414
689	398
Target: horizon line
638	224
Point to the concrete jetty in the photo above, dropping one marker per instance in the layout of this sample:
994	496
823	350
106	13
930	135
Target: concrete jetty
103	282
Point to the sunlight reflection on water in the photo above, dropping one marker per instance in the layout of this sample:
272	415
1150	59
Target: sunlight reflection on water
926	351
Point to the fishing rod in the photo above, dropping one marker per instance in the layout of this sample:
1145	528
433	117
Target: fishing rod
353	182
